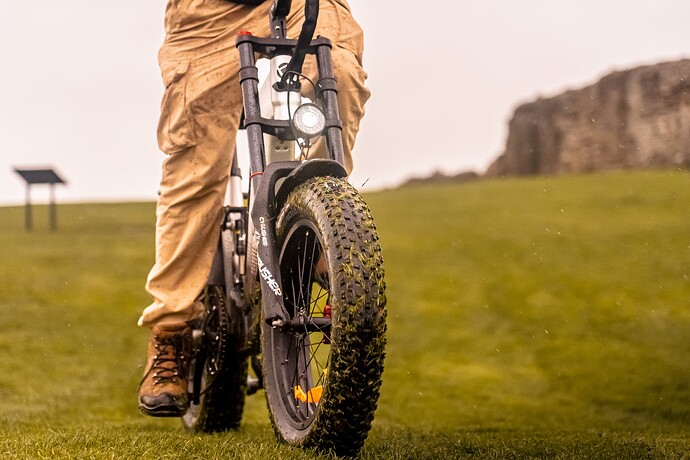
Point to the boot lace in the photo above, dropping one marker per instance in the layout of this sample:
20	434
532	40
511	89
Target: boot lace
169	360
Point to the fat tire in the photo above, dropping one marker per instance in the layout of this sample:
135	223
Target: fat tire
347	234
221	404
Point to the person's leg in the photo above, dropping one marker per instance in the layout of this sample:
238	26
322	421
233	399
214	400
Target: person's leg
189	206
199	142
199	118
200	114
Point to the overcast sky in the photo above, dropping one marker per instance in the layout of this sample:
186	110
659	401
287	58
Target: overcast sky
80	85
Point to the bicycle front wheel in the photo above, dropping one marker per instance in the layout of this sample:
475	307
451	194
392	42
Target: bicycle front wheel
322	370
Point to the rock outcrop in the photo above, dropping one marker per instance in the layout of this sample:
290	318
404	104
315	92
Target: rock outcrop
632	119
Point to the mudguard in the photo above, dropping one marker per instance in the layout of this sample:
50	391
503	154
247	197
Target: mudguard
269	199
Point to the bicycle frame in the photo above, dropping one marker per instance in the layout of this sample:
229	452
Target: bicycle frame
266	197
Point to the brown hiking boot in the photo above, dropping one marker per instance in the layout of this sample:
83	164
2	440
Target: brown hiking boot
163	390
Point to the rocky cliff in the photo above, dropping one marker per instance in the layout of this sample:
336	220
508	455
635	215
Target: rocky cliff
638	118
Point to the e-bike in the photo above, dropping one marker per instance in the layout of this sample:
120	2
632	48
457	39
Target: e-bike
297	287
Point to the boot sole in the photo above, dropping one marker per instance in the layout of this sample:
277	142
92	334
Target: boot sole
162	411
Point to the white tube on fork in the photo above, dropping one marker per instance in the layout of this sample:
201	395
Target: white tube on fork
276	105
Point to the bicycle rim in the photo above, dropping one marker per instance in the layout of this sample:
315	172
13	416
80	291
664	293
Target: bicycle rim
303	351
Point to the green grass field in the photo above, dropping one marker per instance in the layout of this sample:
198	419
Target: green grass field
528	318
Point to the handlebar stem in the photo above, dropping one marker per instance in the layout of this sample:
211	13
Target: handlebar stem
279	11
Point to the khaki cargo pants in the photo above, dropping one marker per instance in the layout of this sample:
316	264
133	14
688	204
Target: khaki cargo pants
200	113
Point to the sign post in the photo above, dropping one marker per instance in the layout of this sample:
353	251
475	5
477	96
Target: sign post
40	176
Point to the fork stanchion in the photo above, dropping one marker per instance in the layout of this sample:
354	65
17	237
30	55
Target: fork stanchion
249	81
327	86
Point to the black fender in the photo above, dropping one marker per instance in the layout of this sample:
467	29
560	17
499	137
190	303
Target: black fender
313	168
268	200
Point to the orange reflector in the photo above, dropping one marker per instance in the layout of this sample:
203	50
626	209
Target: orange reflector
312	396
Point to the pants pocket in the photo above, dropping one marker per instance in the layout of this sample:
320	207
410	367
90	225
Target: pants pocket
175	126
